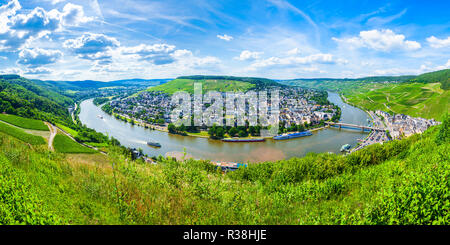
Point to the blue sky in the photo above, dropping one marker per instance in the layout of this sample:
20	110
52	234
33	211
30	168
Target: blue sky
279	39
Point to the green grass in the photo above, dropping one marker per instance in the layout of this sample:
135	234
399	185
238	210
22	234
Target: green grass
21	135
67	129
207	85
400	182
414	99
24	122
64	144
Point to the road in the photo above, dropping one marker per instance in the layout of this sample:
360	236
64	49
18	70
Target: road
73	113
53	131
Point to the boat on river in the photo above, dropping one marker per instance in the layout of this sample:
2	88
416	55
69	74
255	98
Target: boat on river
346	147
292	136
154	144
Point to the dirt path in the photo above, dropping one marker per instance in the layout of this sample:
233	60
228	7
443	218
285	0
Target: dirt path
53	132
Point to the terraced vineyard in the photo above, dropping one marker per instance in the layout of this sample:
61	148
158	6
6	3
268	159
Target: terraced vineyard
21	135
207	85
64	144
415	99
24	122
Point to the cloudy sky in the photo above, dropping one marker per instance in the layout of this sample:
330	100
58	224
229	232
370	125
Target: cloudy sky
279	39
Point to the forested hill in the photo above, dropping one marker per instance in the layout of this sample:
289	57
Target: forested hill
259	82
215	83
25	98
337	84
90	84
442	77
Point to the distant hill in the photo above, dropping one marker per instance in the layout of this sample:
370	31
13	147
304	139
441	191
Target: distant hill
216	83
259	82
337	84
90	84
442	77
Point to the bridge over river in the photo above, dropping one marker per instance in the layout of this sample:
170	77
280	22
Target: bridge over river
354	126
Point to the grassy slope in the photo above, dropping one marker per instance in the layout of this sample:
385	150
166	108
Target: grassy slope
401	182
24	122
415	99
67	129
21	135
207	85
442	76
64	144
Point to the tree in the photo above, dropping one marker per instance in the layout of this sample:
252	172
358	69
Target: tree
216	132
220	133
172	128
243	133
182	128
233	131
252	130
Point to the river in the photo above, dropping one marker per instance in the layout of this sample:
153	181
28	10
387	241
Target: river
326	140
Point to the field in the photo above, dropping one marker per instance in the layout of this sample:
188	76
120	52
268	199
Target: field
414	99
21	135
67	129
64	144
207	85
24	122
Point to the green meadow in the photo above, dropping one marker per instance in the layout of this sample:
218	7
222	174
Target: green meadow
414	99
24	122
21	135
64	144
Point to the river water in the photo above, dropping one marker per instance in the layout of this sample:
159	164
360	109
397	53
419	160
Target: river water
326	140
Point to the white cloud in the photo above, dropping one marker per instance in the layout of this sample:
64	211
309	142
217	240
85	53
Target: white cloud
16	30
248	55
294	60
445	66
57	1
158	54
294	51
95	47
73	15
438	43
38	71
11	70
225	37
37	57
381	40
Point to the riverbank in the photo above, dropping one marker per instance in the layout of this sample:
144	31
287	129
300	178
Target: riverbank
201	134
324	139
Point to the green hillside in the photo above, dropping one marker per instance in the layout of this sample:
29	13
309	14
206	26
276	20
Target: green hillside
21	135
400	182
64	144
181	84
22	97
442	77
24	122
337	85
414	99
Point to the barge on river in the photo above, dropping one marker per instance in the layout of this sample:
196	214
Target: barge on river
292	136
154	144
